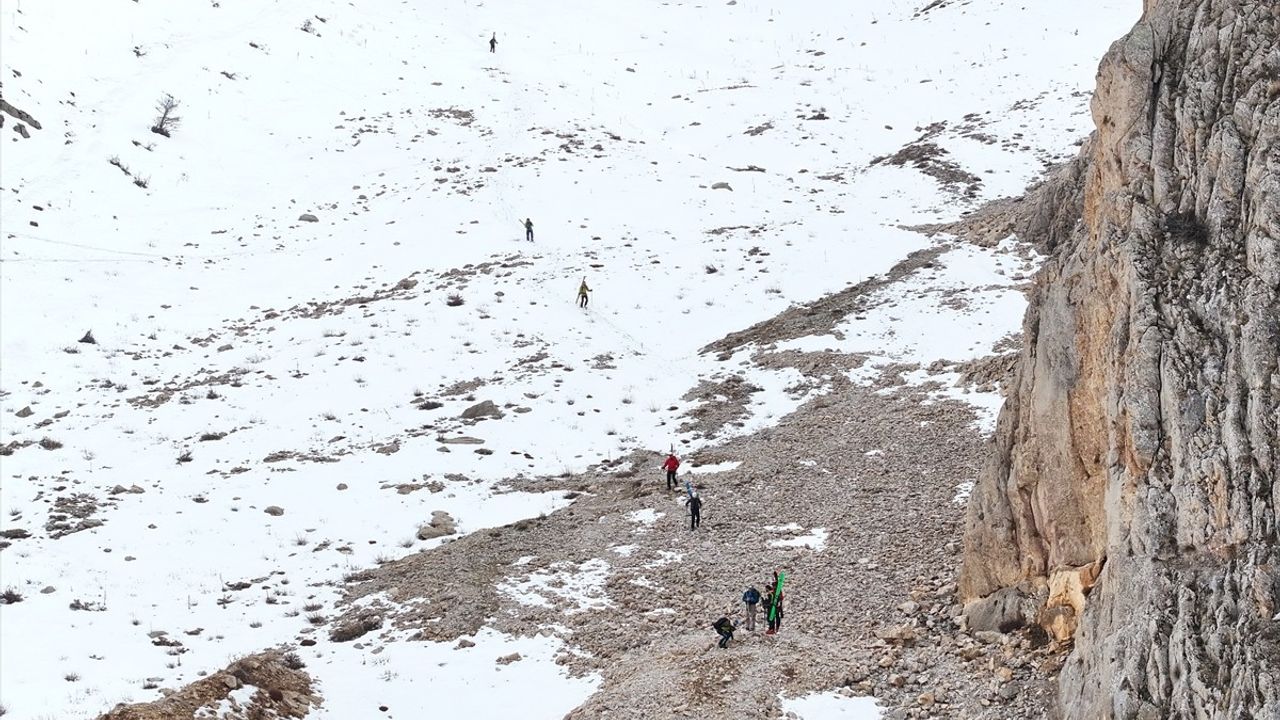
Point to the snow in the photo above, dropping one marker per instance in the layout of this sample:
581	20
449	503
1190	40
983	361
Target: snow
292	338
715	467
815	539
581	584
646	517
831	706
412	679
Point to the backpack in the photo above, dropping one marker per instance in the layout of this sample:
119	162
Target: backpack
751	597
722	624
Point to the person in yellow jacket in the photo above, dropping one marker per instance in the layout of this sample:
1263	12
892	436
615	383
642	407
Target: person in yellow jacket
582	293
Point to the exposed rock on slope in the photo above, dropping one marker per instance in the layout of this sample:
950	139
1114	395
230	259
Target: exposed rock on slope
279	691
1133	488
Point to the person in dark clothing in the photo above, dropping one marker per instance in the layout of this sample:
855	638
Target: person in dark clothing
671	465
752	598
493	43
773	610
724	627
695	511
582	293
528	229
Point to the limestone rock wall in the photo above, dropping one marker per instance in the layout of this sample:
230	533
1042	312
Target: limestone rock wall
1131	493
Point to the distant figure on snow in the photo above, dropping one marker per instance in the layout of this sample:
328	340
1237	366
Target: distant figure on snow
752	598
671	465
724	627
493	43
695	511
528	229
582	293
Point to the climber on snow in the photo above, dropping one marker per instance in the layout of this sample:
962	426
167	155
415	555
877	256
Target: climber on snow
528	229
582	293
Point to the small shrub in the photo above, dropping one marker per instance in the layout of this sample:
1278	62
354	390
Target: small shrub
50	444
300	540
142	182
185	457
255	624
71	677
166	122
315	619
292	661
454	300
312	607
10	596
712	270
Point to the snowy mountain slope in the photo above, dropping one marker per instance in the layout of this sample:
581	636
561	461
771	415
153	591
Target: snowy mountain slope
318	348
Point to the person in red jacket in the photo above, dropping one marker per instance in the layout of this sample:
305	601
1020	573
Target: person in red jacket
671	465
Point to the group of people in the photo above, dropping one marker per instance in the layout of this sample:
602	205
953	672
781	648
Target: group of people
770	603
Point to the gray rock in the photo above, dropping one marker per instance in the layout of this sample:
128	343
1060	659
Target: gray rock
460	440
441	524
277	511
25	412
482	410
1003	611
308	217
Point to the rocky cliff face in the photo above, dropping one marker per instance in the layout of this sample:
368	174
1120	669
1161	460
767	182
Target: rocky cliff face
1130	504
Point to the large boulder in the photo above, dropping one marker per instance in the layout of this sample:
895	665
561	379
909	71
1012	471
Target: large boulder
481	411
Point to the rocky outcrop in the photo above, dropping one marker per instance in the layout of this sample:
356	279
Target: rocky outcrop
280	690
1132	489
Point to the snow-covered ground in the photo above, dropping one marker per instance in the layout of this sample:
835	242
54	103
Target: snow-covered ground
247	359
